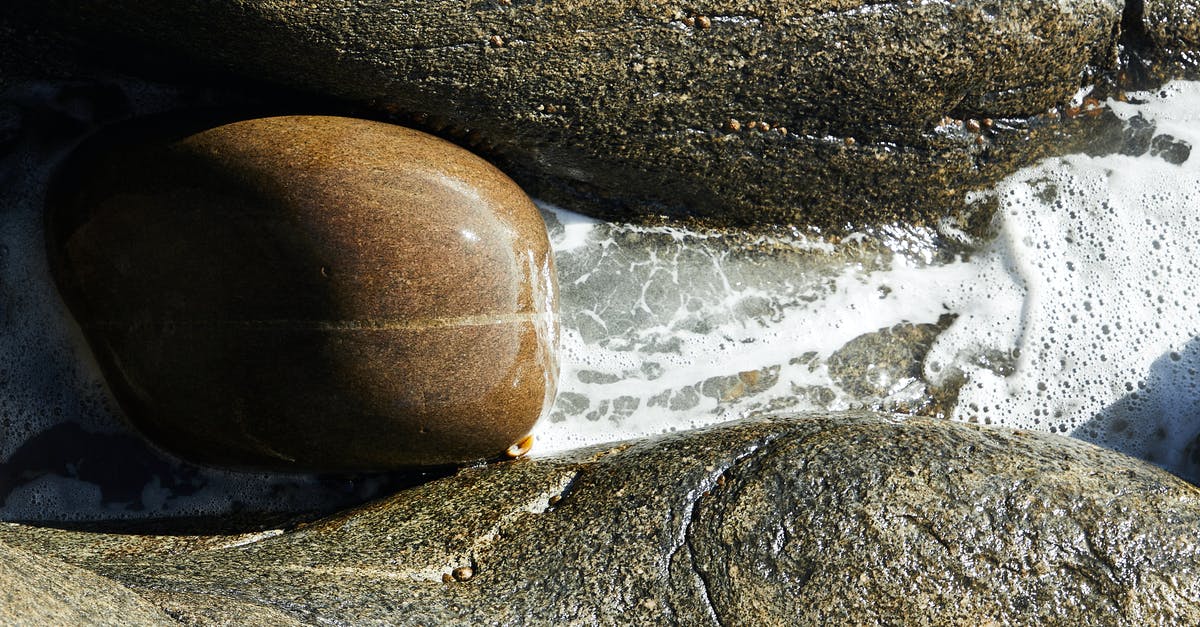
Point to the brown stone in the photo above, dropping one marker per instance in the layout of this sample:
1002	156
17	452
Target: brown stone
309	292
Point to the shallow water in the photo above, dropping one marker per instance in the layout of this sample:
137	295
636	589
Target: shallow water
1080	317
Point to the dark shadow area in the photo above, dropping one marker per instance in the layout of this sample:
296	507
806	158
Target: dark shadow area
1159	418
1138	53
120	472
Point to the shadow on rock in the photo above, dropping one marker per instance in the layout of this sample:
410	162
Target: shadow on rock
120	466
116	482
1159	418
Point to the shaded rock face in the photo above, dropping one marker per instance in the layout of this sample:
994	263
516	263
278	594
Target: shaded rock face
309	293
829	113
842	519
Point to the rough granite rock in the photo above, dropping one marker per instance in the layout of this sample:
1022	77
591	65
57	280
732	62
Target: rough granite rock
1173	27
36	590
826	113
837	519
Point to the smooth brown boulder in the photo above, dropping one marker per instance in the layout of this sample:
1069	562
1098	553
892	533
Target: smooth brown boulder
308	293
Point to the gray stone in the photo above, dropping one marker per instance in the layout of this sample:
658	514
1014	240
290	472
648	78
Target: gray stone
205	610
37	590
835	519
746	111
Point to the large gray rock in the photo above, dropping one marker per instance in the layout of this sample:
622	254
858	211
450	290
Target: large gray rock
42	591
748	111
793	520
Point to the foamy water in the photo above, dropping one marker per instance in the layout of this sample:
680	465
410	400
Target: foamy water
1093	284
666	329
1079	318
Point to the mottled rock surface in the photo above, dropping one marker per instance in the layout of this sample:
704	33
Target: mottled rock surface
746	111
37	590
1174	30
309	292
836	519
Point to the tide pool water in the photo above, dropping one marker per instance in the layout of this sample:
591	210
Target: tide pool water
667	329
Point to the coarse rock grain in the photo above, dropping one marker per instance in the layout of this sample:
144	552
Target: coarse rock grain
822	519
624	108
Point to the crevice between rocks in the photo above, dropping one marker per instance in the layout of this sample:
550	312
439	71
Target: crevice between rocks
1137	51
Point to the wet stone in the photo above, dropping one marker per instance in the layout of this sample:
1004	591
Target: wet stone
38	590
821	113
874	364
1170	149
308	293
1174	28
1137	135
819	519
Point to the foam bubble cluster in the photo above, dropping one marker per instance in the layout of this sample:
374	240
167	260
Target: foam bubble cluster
1080	318
1091	294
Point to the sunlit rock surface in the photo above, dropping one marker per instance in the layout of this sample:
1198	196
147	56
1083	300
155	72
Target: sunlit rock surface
869	518
37	590
853	518
1173	30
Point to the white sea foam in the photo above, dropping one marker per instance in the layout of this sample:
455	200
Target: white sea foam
728	328
1094	283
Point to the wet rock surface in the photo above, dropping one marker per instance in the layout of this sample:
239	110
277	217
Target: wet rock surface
309	293
827	519
876	364
738	112
784	520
